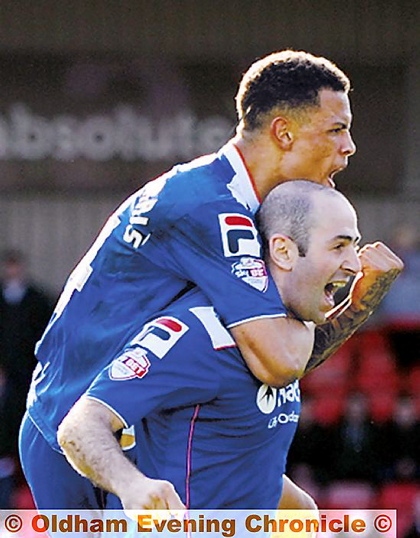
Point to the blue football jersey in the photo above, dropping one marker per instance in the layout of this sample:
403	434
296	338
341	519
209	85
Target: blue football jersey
201	419
193	226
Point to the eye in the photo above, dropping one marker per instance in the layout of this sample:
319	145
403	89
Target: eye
342	246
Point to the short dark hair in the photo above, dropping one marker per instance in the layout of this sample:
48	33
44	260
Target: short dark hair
287	79
289	209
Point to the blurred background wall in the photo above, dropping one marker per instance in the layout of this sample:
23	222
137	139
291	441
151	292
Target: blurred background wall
97	97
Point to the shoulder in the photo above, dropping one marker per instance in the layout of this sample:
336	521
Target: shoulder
200	181
190	323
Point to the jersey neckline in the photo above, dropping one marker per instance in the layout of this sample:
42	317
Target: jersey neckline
242	181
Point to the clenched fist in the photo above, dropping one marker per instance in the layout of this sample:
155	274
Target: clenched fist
380	267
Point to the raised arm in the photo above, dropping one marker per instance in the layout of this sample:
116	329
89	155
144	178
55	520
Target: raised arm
380	267
279	350
86	436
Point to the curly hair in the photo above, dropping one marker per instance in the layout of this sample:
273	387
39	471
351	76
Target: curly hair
288	80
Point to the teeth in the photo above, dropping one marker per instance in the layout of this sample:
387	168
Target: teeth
333	287
337	285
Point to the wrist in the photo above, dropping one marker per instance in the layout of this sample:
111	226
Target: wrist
359	308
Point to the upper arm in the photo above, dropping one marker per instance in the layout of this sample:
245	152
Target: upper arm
219	250
100	412
87	415
275	349
224	259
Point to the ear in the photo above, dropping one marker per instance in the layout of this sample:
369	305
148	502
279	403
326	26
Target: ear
281	132
283	252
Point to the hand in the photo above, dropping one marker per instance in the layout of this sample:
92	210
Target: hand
295	503
150	494
380	267
294	497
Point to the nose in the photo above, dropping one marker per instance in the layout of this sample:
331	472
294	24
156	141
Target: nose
352	264
349	147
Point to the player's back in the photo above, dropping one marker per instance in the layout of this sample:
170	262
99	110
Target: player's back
202	420
134	268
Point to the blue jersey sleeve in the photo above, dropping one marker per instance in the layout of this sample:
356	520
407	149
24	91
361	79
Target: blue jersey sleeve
218	248
150	373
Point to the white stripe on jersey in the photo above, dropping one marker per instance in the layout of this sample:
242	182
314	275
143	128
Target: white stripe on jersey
241	184
219	336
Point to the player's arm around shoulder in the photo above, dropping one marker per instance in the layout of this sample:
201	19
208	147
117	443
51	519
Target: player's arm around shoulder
86	436
276	349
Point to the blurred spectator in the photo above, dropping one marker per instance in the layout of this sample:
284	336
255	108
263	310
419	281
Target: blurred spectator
24	313
400	443
400	310
414	530
353	454
309	455
9	423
